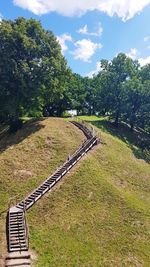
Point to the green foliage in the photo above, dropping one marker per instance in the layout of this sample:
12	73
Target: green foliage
134	98
77	93
65	114
122	91
35	80
111	79
31	68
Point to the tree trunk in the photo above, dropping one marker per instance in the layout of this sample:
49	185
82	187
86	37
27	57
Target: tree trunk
116	119
142	123
15	122
132	126
90	112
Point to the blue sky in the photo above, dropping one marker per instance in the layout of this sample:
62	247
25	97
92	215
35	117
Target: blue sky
90	31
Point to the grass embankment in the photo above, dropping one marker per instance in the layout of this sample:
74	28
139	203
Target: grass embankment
28	157
100	216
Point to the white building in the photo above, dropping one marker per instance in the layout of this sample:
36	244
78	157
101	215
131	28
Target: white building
72	112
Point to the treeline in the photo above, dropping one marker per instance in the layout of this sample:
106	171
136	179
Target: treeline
121	90
36	81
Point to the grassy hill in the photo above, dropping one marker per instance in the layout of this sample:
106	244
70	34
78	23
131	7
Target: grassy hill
99	215
28	157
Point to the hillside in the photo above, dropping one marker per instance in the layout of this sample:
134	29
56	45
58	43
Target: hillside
28	157
99	215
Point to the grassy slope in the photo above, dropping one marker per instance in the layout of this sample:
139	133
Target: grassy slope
99	215
28	157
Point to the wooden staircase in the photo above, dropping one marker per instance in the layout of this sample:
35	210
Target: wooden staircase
17	234
17	230
16	259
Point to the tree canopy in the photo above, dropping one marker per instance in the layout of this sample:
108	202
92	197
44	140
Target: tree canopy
32	69
35	80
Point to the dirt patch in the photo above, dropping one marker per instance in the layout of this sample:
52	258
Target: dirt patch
23	173
34	257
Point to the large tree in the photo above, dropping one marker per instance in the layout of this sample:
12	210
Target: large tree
145	109
77	93
111	96
121	68
135	94
32	68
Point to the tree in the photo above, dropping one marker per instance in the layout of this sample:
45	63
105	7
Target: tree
56	94
121	68
31	67
145	73
77	93
103	84
145	110
113	74
134	100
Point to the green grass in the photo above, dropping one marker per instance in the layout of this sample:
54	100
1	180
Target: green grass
28	157
99	215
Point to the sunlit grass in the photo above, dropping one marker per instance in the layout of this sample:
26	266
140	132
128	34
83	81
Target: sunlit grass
99	215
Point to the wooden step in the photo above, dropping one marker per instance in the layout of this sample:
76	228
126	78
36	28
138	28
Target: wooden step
18	259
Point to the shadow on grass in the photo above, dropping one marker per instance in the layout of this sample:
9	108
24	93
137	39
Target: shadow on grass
29	127
136	140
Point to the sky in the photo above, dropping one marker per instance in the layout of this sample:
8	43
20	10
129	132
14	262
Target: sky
90	30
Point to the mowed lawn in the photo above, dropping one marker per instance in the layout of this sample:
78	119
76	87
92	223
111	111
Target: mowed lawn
99	215
30	156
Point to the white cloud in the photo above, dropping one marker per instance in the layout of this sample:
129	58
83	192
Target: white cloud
85	49
62	39
96	71
1	17
125	9
97	32
83	30
133	53
146	38
144	61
